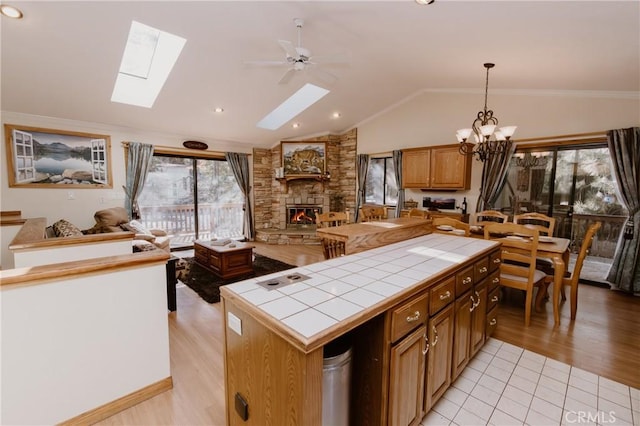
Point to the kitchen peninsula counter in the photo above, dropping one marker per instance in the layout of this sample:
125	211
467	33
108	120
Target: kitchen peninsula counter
274	339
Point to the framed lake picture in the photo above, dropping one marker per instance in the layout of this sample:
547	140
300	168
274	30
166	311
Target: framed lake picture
304	158
48	158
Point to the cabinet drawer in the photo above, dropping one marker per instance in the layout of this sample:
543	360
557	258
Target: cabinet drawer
492	321
493	299
494	280
201	254
409	316
481	269
495	259
464	280
441	295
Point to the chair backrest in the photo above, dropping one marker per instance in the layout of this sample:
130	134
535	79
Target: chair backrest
521	261
419	213
543	223
325	220
584	250
332	248
489	216
449	221
371	213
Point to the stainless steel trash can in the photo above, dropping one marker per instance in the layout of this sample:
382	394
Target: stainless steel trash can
336	384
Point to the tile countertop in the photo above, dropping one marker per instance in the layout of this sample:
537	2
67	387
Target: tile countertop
351	288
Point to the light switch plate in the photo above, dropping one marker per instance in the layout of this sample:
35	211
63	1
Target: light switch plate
234	323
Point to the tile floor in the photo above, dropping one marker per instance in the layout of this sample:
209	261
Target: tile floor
507	385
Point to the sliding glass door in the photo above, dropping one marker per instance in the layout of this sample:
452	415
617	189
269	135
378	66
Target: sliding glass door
575	185
192	198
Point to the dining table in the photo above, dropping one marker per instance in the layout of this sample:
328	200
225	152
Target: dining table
363	236
553	248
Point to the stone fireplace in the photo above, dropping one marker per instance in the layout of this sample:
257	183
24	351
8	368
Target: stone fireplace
302	216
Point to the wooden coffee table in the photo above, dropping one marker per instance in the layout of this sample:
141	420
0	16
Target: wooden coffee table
226	261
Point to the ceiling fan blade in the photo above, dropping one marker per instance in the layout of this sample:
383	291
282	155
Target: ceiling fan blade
286	77
289	49
265	63
323	75
338	58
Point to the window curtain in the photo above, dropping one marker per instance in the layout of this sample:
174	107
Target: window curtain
494	176
397	164
363	166
624	148
139	157
240	166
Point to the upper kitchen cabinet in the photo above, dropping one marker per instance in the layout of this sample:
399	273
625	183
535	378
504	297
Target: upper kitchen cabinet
437	167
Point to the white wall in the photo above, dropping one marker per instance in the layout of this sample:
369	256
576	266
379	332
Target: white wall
72	345
432	118
54	204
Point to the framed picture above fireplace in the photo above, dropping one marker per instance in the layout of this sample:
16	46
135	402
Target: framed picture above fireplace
304	158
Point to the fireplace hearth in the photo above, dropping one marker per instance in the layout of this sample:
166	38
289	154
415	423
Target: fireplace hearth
302	216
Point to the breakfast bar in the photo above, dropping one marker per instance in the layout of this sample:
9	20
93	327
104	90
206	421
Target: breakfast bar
413	312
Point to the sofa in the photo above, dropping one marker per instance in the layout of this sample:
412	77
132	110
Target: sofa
116	219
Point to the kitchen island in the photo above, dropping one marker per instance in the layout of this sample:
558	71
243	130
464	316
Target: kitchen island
413	312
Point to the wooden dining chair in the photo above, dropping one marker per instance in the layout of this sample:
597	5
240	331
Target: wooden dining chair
373	213
332	248
325	220
419	213
518	266
571	280
489	216
545	224
448	221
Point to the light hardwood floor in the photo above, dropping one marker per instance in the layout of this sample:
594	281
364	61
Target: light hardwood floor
605	339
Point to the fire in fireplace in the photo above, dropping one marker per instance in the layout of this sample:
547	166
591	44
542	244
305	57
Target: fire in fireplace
302	215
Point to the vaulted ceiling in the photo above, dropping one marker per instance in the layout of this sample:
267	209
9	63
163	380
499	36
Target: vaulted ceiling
62	58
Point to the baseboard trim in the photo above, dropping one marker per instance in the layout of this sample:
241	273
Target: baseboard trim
109	409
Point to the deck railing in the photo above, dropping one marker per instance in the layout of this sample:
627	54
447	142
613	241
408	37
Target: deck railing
606	239
223	220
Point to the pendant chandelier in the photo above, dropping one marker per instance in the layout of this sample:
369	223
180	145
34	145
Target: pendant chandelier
487	140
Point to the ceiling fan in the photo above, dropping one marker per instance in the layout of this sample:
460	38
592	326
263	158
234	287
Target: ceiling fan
299	58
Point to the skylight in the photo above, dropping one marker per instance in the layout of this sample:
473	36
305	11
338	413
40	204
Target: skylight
148	58
298	102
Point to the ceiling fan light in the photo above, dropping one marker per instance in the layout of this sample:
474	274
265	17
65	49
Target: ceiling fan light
487	129
508	131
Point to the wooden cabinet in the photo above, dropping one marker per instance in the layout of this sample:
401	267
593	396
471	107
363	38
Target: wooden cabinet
437	167
406	385
438	377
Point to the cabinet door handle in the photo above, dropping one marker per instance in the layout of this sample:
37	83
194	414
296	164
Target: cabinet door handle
414	317
497	260
493	321
496	280
467	280
478	301
473	303
435	332
483	270
445	295
494	299
426	349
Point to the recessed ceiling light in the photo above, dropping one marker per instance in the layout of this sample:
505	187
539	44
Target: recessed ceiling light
219	109
10	11
336	115
295	125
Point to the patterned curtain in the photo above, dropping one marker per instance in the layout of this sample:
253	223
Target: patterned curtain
397	164
363	166
240	167
139	157
624	148
494	176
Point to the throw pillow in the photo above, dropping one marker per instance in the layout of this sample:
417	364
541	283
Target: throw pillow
63	228
137	227
114	216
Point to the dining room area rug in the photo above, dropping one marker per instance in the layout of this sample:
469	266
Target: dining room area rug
207	284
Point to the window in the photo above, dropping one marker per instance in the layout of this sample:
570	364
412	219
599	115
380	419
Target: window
192	198
381	187
23	157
